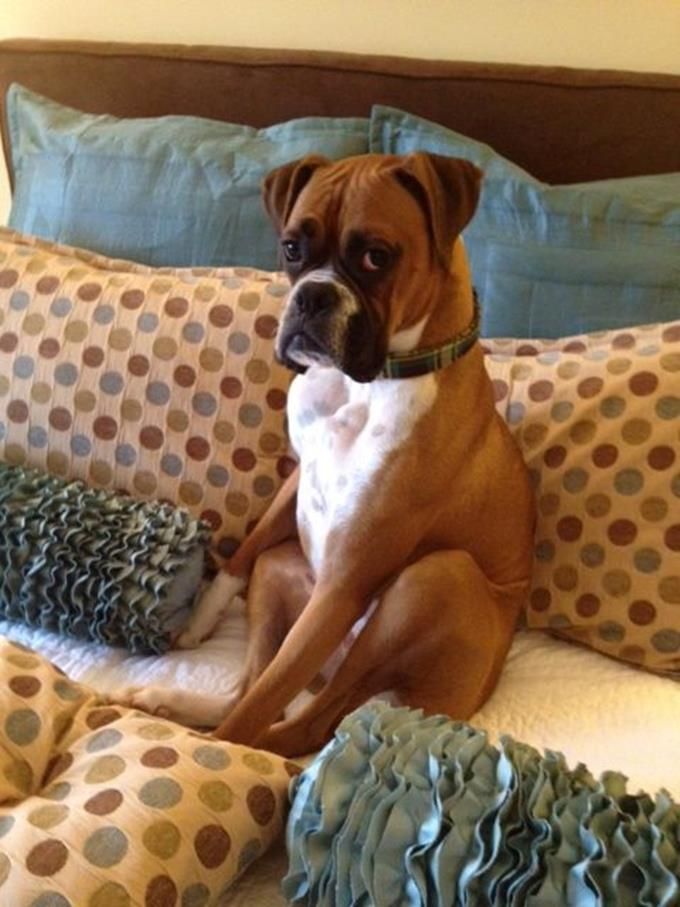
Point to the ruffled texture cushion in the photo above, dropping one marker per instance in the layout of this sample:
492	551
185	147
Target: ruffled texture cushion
92	564
404	810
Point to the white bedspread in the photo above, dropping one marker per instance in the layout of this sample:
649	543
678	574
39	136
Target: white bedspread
552	694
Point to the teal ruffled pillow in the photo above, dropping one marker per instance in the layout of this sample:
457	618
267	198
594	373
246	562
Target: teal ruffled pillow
399	809
95	565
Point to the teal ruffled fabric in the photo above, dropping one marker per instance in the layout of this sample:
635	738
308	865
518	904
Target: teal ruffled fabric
399	809
92	564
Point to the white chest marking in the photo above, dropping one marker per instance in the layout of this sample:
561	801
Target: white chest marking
342	432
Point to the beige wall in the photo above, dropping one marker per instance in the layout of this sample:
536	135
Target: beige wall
620	34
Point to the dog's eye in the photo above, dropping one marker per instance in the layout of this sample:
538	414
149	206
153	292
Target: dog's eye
291	250
375	259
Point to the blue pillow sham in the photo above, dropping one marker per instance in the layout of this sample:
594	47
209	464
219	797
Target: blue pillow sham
548	261
175	190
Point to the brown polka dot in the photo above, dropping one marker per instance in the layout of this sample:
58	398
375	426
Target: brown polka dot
540	391
15	454
555	456
231	388
160	757
47	284
8	342
261	804
57	462
104	803
138	365
661	457
285	466
633	653
671	334
672	537
221	316
60	418
643	383
623	342
258	371
582	432
534	434
569	528
90	291
198	448
105	428
212	518
500	389
161	892
270	443
236	503
587	605
244	459
622	532
17	411
212	845
605	455
8	277
93	356
589	387
47	858
642	613
100	717
25	685
266	326
184	375
151	437
276	399
132	299
49	348
176	307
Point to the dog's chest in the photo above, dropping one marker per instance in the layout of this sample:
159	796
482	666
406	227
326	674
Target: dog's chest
343	433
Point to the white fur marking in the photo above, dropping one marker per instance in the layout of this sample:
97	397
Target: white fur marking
407	340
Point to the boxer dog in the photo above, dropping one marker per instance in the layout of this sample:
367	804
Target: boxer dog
404	539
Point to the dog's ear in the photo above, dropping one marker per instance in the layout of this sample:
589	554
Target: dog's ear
282	186
447	188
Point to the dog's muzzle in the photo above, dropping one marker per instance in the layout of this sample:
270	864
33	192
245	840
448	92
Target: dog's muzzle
324	323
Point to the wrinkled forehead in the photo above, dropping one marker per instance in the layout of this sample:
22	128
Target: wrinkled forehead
358	195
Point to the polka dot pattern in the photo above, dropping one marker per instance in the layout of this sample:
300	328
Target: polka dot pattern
599	426
140	379
112	808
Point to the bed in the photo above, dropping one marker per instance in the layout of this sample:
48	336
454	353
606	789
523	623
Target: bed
564	127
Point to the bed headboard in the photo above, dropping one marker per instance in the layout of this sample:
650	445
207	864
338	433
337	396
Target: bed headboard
563	125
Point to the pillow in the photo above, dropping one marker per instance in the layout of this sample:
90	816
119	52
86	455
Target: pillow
159	383
598	420
174	190
105	806
91	564
548	261
402	809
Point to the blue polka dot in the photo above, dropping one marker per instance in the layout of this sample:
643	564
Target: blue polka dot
61	307
193	332
81	446
516	412
147	322
37	436
111	383
23	367
2	431
66	374
19	300
104	314
172	465
126	455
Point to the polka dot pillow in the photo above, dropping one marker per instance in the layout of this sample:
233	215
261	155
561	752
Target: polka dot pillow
107	807
161	383
598	420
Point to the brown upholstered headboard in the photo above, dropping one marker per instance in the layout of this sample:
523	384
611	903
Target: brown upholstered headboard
563	125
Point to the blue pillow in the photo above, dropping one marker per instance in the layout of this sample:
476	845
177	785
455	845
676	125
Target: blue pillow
175	190
548	261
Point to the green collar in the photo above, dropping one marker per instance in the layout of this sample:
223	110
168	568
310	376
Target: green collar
422	362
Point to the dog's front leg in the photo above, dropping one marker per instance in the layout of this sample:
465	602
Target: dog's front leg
319	631
276	525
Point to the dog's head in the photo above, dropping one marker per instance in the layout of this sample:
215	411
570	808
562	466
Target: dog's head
366	242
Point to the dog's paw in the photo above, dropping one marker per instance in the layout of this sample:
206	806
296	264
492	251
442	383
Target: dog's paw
154	700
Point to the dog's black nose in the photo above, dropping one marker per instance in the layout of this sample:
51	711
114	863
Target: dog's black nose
316	296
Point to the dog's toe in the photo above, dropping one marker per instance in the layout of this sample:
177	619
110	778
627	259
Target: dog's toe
147	699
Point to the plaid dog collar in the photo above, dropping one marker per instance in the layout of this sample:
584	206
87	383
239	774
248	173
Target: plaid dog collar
422	362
